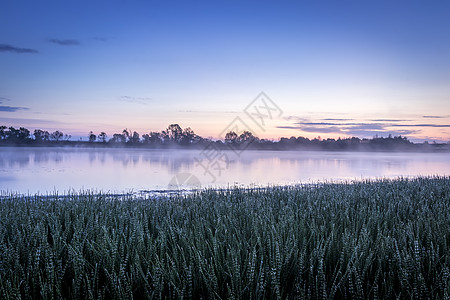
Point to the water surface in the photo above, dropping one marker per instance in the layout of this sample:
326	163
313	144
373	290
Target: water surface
46	170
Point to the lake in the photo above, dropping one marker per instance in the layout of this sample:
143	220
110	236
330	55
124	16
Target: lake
118	170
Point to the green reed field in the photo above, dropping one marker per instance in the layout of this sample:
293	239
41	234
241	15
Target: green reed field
369	240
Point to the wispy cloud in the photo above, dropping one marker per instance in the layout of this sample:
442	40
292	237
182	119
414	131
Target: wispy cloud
13	49
332	119
208	111
331	129
65	42
421	125
330	124
137	100
378	126
362	129
368	126
435	117
29	122
371	128
385	132
8	108
389	120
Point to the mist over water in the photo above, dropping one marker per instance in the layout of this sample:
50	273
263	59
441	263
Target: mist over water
48	170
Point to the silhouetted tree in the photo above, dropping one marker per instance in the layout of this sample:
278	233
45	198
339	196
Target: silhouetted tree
56	135
188	136
3	132
24	134
175	133
134	139
165	138
38	135
11	134
102	137
126	134
46	136
231	137
118	138
16	135
92	137
155	137
146	138
246	137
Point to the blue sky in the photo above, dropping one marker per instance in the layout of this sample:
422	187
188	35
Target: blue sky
335	68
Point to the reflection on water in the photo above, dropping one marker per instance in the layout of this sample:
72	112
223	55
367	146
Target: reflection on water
32	170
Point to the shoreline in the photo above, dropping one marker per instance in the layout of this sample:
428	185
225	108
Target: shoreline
415	148
168	193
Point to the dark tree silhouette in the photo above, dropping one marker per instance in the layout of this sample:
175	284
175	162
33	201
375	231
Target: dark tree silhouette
188	136
134	139
118	138
56	135
246	137
155	137
126	134
146	138
12	134
231	137
175	133
92	137
46	135
102	137
38	135
3	132
16	135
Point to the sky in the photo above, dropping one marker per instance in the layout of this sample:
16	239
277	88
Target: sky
332	68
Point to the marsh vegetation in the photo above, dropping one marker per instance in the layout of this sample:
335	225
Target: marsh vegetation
360	240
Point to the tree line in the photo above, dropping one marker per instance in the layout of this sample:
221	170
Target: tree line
175	136
11	134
